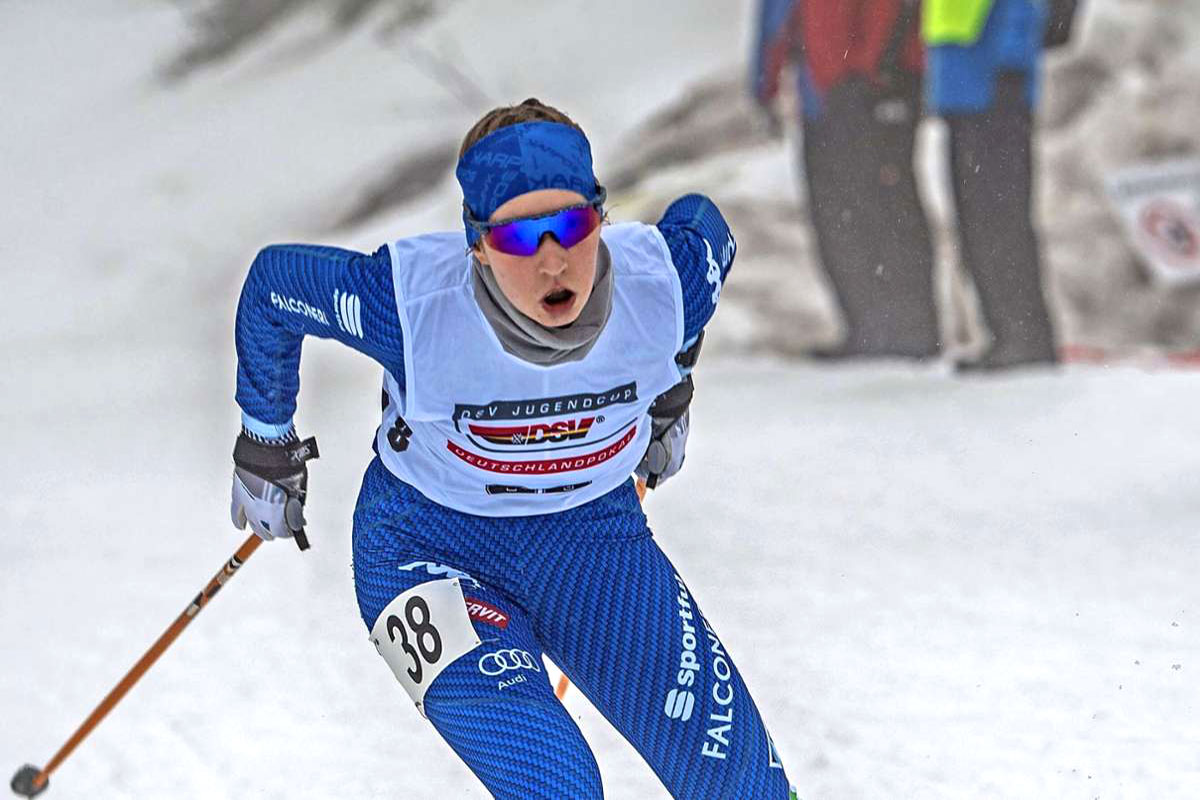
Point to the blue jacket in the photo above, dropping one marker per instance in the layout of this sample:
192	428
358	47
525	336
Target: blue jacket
296	290
960	79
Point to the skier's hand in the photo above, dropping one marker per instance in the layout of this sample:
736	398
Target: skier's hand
270	483
664	456
670	419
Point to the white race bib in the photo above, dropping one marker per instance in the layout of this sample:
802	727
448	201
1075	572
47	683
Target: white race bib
477	429
422	632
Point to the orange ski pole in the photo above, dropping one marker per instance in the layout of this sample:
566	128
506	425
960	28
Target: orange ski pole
31	781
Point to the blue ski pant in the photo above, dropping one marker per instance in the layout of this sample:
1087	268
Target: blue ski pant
589	588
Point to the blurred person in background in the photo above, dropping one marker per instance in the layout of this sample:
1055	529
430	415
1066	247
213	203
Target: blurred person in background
858	65
530	367
982	78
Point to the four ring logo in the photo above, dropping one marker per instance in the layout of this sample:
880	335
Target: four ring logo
501	661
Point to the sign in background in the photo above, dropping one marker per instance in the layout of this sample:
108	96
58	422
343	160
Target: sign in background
1159	205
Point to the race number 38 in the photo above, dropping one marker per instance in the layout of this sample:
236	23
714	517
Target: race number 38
421	632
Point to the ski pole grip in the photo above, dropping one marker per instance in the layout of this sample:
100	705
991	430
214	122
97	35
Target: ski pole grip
301	539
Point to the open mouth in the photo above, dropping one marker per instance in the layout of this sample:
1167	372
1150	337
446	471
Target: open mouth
558	298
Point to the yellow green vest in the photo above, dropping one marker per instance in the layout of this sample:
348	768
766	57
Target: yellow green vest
957	22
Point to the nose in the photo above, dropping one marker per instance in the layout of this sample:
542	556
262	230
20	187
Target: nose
552	256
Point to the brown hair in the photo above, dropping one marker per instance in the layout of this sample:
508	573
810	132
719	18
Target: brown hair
532	110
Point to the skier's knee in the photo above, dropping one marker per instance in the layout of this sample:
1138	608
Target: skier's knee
521	748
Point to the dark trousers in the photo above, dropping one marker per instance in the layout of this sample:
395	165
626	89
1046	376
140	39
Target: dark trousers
872	234
991	166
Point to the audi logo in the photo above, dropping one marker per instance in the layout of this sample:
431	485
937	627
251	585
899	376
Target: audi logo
502	661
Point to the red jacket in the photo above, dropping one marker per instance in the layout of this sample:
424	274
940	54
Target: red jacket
835	39
850	37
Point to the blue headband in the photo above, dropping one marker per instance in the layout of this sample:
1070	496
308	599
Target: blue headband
522	158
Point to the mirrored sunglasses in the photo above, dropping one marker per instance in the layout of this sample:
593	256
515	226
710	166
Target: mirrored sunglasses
522	236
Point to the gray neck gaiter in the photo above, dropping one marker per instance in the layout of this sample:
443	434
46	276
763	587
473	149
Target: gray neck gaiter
531	341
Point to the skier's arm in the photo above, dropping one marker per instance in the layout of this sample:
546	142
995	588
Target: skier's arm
293	291
702	249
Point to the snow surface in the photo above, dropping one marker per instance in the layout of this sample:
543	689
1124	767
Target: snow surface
935	588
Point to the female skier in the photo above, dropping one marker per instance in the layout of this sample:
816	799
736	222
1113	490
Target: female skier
525	380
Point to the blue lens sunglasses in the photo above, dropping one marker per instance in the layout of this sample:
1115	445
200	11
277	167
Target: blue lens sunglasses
521	236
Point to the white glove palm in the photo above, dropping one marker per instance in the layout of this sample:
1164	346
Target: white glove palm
664	457
265	506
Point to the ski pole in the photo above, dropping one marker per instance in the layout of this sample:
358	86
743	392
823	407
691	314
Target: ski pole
564	682
31	781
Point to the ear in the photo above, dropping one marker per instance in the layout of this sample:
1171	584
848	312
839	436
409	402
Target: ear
480	253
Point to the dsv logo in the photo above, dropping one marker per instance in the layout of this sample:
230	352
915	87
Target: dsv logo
501	661
553	432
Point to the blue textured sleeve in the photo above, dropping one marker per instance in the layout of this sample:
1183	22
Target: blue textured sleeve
703	249
296	290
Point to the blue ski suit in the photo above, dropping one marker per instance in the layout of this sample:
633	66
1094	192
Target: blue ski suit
588	587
